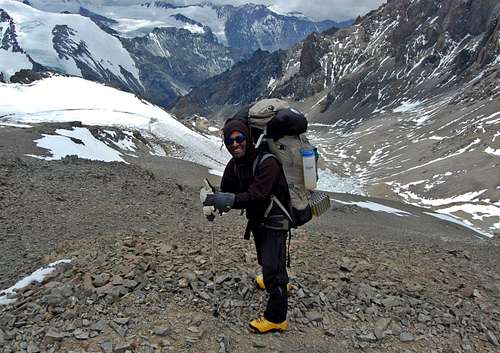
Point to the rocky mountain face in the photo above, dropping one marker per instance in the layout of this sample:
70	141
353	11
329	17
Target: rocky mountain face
212	96
172	60
251	27
409	97
404	50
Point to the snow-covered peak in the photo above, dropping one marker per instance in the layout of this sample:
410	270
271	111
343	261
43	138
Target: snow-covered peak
66	43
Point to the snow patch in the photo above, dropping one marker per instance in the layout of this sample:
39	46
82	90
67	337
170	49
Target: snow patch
37	276
492	151
452	219
407	106
79	142
373	206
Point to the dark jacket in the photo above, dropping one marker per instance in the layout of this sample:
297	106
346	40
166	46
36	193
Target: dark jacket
253	192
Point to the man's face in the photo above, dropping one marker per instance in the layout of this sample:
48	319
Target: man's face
237	144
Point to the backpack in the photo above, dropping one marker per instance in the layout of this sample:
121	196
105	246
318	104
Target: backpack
279	131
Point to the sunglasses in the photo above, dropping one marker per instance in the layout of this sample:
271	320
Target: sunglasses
239	139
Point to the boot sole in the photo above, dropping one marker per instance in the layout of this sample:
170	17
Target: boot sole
288	287
255	330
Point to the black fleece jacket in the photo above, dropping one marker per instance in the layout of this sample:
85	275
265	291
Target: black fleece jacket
253	192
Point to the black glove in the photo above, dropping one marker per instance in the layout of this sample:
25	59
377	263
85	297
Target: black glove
222	201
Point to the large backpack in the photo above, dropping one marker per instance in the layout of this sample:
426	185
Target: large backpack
279	131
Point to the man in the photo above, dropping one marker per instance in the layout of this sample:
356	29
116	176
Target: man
249	182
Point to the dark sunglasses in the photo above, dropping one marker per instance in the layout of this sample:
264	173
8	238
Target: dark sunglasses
239	139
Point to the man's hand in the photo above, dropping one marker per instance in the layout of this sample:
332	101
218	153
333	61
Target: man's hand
222	201
208	211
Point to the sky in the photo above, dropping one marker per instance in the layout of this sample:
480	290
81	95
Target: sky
337	10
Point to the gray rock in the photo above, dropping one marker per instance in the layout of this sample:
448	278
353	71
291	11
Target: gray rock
346	264
99	325
81	334
33	348
189	275
492	338
107	347
423	318
183	283
123	347
222	278
66	290
53	335
330	333
406	337
300	293
391	301
101	280
314	316
53	299
365	293
121	320
380	327
117	280
448	319
7	320
165	249
2	337
395	328
162	331
118	291
369	337
130	283
258	344
122	331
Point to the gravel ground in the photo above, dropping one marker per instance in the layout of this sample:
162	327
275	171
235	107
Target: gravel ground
140	279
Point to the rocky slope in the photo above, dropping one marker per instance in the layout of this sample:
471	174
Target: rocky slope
140	277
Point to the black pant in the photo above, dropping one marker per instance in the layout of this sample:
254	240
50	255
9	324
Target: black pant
271	255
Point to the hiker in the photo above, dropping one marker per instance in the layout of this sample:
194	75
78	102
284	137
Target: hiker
245	186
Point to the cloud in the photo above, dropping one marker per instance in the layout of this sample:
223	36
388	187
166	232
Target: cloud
337	10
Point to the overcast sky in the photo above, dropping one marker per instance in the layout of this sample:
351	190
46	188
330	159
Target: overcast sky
337	10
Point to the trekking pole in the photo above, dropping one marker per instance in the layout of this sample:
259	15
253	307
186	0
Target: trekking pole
215	304
210	217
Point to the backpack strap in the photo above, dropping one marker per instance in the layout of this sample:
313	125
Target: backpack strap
274	199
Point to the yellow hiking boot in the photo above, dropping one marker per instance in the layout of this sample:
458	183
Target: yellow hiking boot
261	325
259	280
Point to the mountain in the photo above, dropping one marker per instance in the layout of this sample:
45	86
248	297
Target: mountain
173	60
64	43
156	50
160	66
248	27
406	102
405	50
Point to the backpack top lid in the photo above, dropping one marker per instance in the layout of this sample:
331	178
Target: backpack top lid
265	109
277	118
